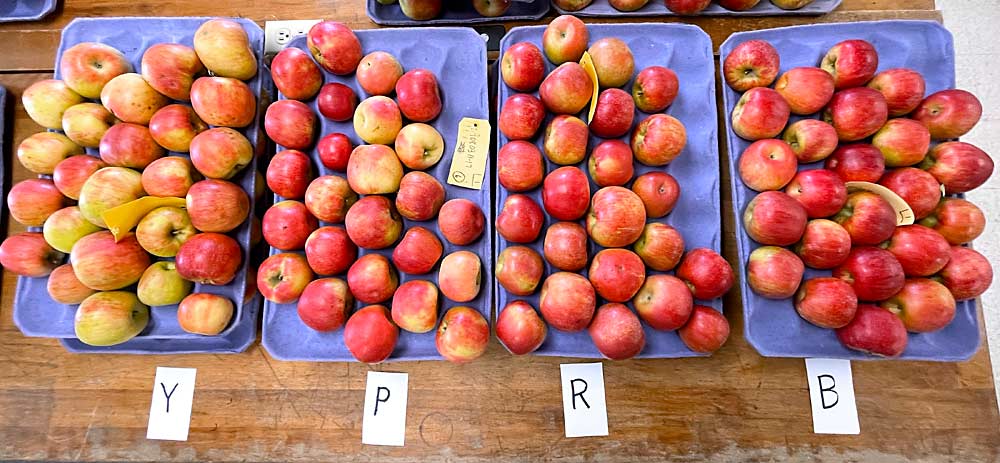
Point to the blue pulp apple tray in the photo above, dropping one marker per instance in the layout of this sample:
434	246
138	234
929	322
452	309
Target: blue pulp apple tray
772	326
457	56
25	10
688	52
659	8
456	12
35	313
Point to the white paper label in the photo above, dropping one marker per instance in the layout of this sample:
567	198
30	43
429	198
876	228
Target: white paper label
585	408
831	391
170	410
384	421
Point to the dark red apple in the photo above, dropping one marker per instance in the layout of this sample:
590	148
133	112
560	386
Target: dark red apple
874	273
875	331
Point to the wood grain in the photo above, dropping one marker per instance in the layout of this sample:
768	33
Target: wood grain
733	407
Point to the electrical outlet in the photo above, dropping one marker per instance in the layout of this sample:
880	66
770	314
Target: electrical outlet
278	33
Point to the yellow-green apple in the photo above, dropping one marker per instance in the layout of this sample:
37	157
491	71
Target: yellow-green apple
414	306
104	264
791	4
571	5
224	102
566	193
760	113
616	218
65	288
706	273
420	196
170	68
86	123
520	166
288	174
296	75
774	272
335	47
418	95
738	5
45	102
65	227
613	116
567	301
949	113
520	116
520	219
967	275
767	164
163	230
129	145
664	302
658	191
920	250
775	218
959	166
873	272
209	258
372	279
374	169
902	88
281	278
567	89
329	251
461	222
852	63
824	244
565	246
205	314
463	335
617	332
957	220
377	120
920	190
378	72
519	270
417	252
287	225
71	173
867	217
565	39
754	63
174	126
520	329
131	99
654	89
806	89
826	302
221	152
373	223
687	7
923	304
460	276
616	274
169	176
336	101
874	331
217	205
658	139
627	5
27	254
86	67
290	123
611	163
822	193
369	334
334	151
811	140
705	331
856	113
32	201
522	67
903	142
566	139
491	8
857	162
419	146
110	318
224	47
43	151
329	197
160	284
325	304
613	61
660	246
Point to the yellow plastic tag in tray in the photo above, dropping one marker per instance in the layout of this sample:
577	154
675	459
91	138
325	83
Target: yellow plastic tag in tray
468	163
904	213
588	65
122	219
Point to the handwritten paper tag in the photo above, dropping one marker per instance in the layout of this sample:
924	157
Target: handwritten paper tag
170	410
384	421
831	392
472	149
585	409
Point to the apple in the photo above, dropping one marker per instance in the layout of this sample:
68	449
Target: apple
959	166
372	223
378	72
461	222
567	89
867	217
86	123
65	227
45	102
920	250
520	166
522	67
325	304
903	142
217	206
104	264
924	305
64	288
460	276
967	275
767	164
611	164
565	246
107	188
751	64
957	220
420	196
209	258
760	113
852	63
520	329
811	140
658	139
421	10
856	113
658	191
824	244
288	174
820	192
374	169
170	68
419	95
706	330
334	151
129	145
519	270
660	246
775	218
920	190
287	225
372	279
204	314
687	7
329	251
806	89
169	176
664	302
292	124
174	126
875	331
873	272
283	277
160	284
419	146
336	102
109	318
163	230
418	252
335	47
949	113
224	102
613	117
296	75
616	332
463	335
706	272
774	272
520	116
616	274
616	218
414	306
130	98
32	201
857	162
567	301
902	88
224	47
377	120
42	152
87	66
491	8
329	197
27	254
613	62
654	89
826	302
520	219
565	39
566	139
790	4
626	5
369	334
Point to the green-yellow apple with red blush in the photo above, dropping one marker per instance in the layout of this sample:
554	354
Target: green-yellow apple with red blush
664	302
221	152
45	102
225	50
903	142
65	227
463	335
131	99
169	176
565	39
806	89
325	304
369	334
959	221
567	89
71	173
420	196
223	102
617	332
658	139
129	145
204	313
161	285
660	246
31	202
64	288
27	254
460	276
43	151
658	191
824	244
627	5
329	197
110	318
923	304
163	230
566	139
377	120
174	126
295	74
419	146
414	306
87	66
86	123
654	89
418	252
616	274
171	68
104	264
522	67
372	279
959	166
520	329
774	272
567	301
281	278
616	218
613	61
287	225
217	205
373	223
378	72
291	124
330	251
519	270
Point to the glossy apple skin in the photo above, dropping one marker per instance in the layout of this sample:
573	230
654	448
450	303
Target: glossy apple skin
282	277
520	166
826	302
924	305
336	101
660	246
565	39
217	205
288	174
32	201
47	100
967	275
330	251
705	331
857	162
418	95
874	331
27	254
658	191
163	230
71	173
420	196
957	220
65	288
760	113
370	335
373	223
616	274
372	279
616	217
43	151
613	62
110	317
520	329
613	117
461	221
611	163
959	166
867	217
566	139
706	273
824	244
567	301
86	123
811	139
374	170
664	302
617	332
767	164
949	113
329	197
806	89
874	273
774	272
565	246
222	101
566	90
334	46
754	63
295	74
291	124
378	72
224	47
460	276
419	146
520	116
174	126
902	88
820	192
856	113
519	269
64	227
414	306
920	190
463	335
325	304
566	193
774	218
377	120
103	264
655	89
169	176
522	67
920	250
221	152
86	67
170	68
130	98
287	225
209	258
520	219
334	151
658	139
204	314
903	142
852	63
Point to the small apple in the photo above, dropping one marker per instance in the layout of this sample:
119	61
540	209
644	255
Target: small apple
967	275
204	314
129	145
616	332
491	8
920	250
957	220
903	142
328	198
567	89
658	140
687	7
419	95
811	140
174	126
419	146
522	67
613	117
291	124
374	169
616	218
613	61
520	116
296	75
161	285
611	164
378	72
336	102
287	224
902	88
334	151
616	274
520	219
920	190
86	123
169	176
288	174
421	10
856	113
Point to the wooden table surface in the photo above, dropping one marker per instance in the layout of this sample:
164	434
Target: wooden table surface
735	406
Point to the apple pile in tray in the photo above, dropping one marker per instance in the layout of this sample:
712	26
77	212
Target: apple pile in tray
683	7
876	129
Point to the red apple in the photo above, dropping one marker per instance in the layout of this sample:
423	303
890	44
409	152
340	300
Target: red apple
654	89
566	139
104	264
519	270
336	102
867	217
687	7
461	221
372	279
706	272
334	151
852	63
806	89
129	145
325	304
283	277
170	68
856	113
903	142
418	95
660	246
959	166
920	250
617	332
291	124
616	218
223	101
825	244
924	305
520	166
520	329
767	165
27	254
71	173
858	162
296	75
902	88
370	335
566	193
460	276
414	306
169	176
174	126
287	225
826	302
520	219
874	273
567	89
616	274
920	190
613	116
420	196
760	113
335	47
32	201
204	314
217	206
664	302
875	331
658	191
751	64
378	72
812	140
774	272
328	198
706	331
288	174
64	287
463	335
949	113
967	275
373	223
957	220
86	67
209	258
330	251
520	116
565	246
567	301
130	98
820	191
522	67
565	39
775	218
221	152
658	139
